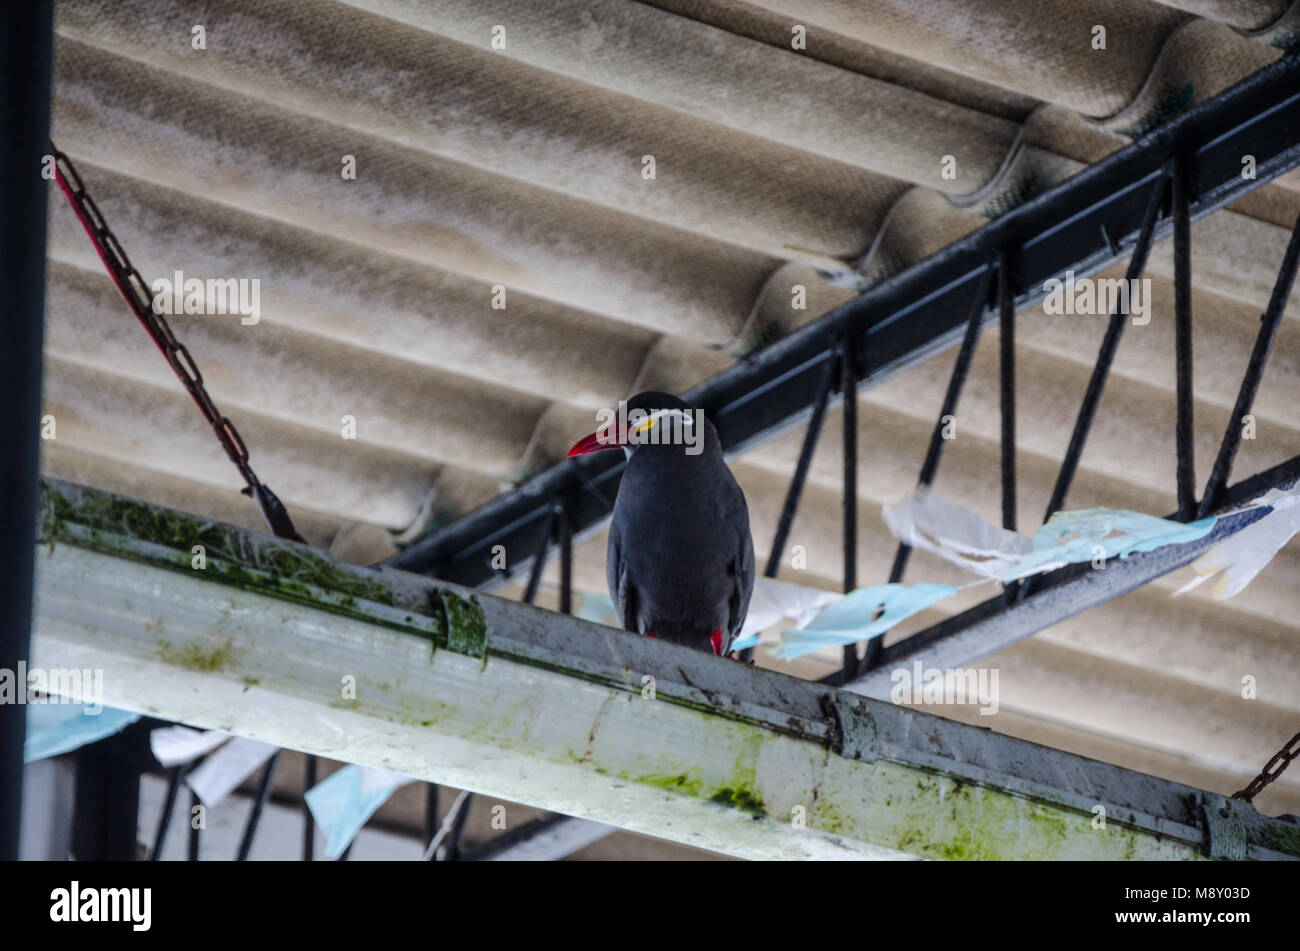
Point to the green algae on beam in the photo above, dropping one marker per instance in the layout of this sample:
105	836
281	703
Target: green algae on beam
746	800
736	796
196	657
465	624
112	523
681	783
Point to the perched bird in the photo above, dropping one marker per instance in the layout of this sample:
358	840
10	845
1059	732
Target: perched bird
680	562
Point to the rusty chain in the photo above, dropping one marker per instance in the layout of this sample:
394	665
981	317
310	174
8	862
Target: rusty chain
136	293
1272	769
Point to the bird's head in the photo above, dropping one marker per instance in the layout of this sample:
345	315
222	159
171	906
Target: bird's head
650	419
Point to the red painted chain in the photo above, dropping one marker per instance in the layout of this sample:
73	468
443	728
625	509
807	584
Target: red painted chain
135	292
1272	769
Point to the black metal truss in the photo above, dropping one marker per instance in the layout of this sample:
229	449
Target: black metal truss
1084	224
995	623
1001	621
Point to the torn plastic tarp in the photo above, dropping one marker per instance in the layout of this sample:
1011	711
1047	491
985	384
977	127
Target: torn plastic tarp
926	520
1090	534
223	771
173	745
346	799
774	601
1240	557
852	618
57	728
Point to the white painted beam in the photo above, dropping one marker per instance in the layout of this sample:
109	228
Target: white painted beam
517	703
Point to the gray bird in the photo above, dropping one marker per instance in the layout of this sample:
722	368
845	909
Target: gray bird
680	563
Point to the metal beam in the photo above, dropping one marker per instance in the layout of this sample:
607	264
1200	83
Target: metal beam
514	702
1084	224
995	624
26	63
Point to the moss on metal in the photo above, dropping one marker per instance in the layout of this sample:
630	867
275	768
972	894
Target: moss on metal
681	783
112	523
207	660
1282	836
466	626
745	800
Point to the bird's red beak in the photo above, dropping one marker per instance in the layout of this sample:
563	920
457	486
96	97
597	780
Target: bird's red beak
603	438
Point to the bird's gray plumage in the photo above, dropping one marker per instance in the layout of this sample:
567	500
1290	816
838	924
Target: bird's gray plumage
680	562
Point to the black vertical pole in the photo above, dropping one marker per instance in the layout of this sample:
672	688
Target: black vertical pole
308	820
1007	360
195	831
1183	339
106	811
566	557
457	832
169	806
26	52
849	414
539	560
1007	332
431	812
255	817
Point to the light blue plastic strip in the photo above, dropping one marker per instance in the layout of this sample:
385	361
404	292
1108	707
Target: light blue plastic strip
345	800
1087	534
57	728
852	618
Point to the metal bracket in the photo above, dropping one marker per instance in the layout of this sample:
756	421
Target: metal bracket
853	729
466	625
1225	833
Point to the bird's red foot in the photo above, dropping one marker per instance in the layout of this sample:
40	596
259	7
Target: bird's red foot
716	641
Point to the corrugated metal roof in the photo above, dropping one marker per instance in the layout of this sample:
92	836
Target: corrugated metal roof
523	167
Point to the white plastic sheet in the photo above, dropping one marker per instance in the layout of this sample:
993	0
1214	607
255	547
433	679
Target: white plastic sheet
173	745
1239	558
774	601
924	519
222	772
